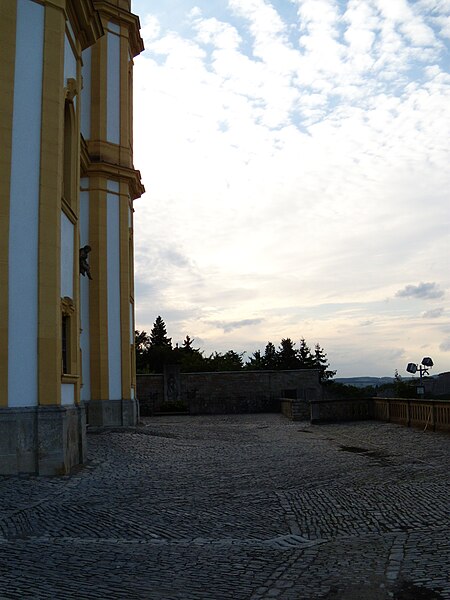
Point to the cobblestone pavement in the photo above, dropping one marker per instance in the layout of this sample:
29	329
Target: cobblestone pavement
242	507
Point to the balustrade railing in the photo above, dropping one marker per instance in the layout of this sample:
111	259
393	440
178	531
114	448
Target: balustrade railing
433	415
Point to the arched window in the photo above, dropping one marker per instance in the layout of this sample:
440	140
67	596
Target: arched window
70	155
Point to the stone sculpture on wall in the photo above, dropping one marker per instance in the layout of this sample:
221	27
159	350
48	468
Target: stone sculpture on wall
172	384
85	269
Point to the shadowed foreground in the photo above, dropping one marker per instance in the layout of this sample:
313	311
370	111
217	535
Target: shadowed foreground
241	507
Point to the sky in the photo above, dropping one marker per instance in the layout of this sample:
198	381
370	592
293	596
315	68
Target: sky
296	159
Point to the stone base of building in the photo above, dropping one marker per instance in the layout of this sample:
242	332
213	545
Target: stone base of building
113	413
42	440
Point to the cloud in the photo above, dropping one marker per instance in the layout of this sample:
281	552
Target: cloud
151	28
426	291
297	156
434	313
232	325
445	346
366	323
395	353
221	35
173	257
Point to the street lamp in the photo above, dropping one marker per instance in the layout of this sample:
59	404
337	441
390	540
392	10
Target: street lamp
426	364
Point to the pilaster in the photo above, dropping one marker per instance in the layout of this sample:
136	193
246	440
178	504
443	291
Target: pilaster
49	310
125	291
98	94
98	299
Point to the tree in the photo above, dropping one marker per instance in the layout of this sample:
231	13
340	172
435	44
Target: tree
321	363
287	355
306	360
158	335
190	358
142	344
230	361
340	391
403	389
270	357
155	350
141	340
255	362
187	345
160	350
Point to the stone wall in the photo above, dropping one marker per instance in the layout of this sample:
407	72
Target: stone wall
296	410
42	440
150	393
231	391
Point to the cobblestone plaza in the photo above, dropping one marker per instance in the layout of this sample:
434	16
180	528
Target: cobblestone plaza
235	507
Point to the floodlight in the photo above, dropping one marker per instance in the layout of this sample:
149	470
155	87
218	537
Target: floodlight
427	361
411	368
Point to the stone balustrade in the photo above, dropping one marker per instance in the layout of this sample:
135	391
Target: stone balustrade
433	415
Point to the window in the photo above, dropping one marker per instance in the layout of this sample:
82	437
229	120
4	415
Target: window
68	322
70	155
65	349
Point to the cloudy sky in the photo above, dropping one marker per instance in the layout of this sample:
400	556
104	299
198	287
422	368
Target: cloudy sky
296	156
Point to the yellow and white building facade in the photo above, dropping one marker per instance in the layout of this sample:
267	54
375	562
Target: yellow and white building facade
67	182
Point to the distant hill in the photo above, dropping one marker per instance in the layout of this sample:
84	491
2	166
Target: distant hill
437	386
364	381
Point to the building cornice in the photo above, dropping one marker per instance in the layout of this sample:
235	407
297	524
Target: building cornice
85	21
110	171
126	18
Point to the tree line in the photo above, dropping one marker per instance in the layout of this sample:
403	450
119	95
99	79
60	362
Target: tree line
154	350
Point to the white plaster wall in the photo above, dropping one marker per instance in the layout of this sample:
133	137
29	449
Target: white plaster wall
24	207
84	297
70	61
67	394
113	89
67	256
86	94
113	262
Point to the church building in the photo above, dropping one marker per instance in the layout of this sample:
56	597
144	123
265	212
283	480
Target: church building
67	186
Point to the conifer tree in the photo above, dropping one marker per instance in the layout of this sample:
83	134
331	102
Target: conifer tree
321	363
255	362
230	361
190	358
306	360
160	350
270	356
187	344
158	335
288	355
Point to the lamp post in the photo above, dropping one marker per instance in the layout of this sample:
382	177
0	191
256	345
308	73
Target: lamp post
426	364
